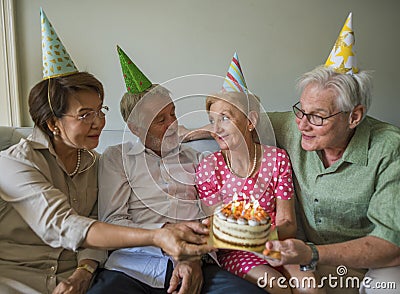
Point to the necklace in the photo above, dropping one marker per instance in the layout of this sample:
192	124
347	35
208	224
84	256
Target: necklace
93	155
78	164
228	163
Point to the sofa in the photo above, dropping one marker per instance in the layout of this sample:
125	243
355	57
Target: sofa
12	135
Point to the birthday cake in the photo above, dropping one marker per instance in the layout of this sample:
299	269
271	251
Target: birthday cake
241	225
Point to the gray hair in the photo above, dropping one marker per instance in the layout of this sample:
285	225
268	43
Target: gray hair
129	101
352	90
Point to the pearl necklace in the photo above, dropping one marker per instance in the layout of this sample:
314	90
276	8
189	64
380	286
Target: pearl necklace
78	164
228	163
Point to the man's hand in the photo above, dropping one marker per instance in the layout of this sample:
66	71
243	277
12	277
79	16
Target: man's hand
183	241
188	275
292	251
186	135
206	222
77	283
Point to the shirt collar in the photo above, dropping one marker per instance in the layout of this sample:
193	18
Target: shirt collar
136	147
357	149
40	140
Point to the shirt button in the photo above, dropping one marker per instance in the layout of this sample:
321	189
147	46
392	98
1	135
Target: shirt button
319	221
316	200
53	268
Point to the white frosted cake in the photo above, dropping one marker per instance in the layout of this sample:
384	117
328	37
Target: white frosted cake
241	225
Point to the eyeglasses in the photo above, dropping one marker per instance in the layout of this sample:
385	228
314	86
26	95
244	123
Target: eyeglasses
313	119
88	117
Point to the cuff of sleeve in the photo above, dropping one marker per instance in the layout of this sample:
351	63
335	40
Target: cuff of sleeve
75	229
95	254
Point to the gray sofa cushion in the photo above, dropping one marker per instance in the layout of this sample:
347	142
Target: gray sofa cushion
9	136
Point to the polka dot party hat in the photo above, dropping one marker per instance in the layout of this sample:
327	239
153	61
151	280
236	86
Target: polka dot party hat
342	57
56	60
136	82
234	80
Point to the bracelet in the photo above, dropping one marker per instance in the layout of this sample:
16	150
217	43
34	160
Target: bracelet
87	268
207	259
314	259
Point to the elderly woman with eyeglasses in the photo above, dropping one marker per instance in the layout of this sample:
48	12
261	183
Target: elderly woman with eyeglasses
48	196
347	179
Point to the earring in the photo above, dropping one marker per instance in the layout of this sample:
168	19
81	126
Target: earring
56	131
250	129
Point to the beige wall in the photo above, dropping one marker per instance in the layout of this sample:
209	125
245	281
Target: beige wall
4	110
276	42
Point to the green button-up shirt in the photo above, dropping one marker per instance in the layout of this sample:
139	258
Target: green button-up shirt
359	195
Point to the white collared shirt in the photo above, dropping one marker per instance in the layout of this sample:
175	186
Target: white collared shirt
138	188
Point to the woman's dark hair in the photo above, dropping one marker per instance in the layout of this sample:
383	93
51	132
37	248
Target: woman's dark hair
61	88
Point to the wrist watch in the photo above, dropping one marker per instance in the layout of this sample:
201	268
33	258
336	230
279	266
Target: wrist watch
314	259
87	268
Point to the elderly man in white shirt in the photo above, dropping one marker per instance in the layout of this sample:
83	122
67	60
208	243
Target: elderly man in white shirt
148	182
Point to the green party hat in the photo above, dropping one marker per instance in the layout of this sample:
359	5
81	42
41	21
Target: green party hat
56	60
136	82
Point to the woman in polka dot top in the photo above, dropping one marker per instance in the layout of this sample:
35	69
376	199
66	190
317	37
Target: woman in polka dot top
251	171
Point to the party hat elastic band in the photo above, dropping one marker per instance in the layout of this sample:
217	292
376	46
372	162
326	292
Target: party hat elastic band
342	57
56	60
234	80
136	82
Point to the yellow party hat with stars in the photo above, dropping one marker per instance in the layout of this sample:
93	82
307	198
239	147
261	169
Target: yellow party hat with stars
342	57
56	60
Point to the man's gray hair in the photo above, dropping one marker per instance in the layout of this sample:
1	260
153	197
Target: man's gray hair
351	89
129	101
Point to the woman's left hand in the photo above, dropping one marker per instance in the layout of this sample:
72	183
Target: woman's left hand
77	283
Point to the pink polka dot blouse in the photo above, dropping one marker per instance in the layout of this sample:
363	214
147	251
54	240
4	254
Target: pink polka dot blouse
215	182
